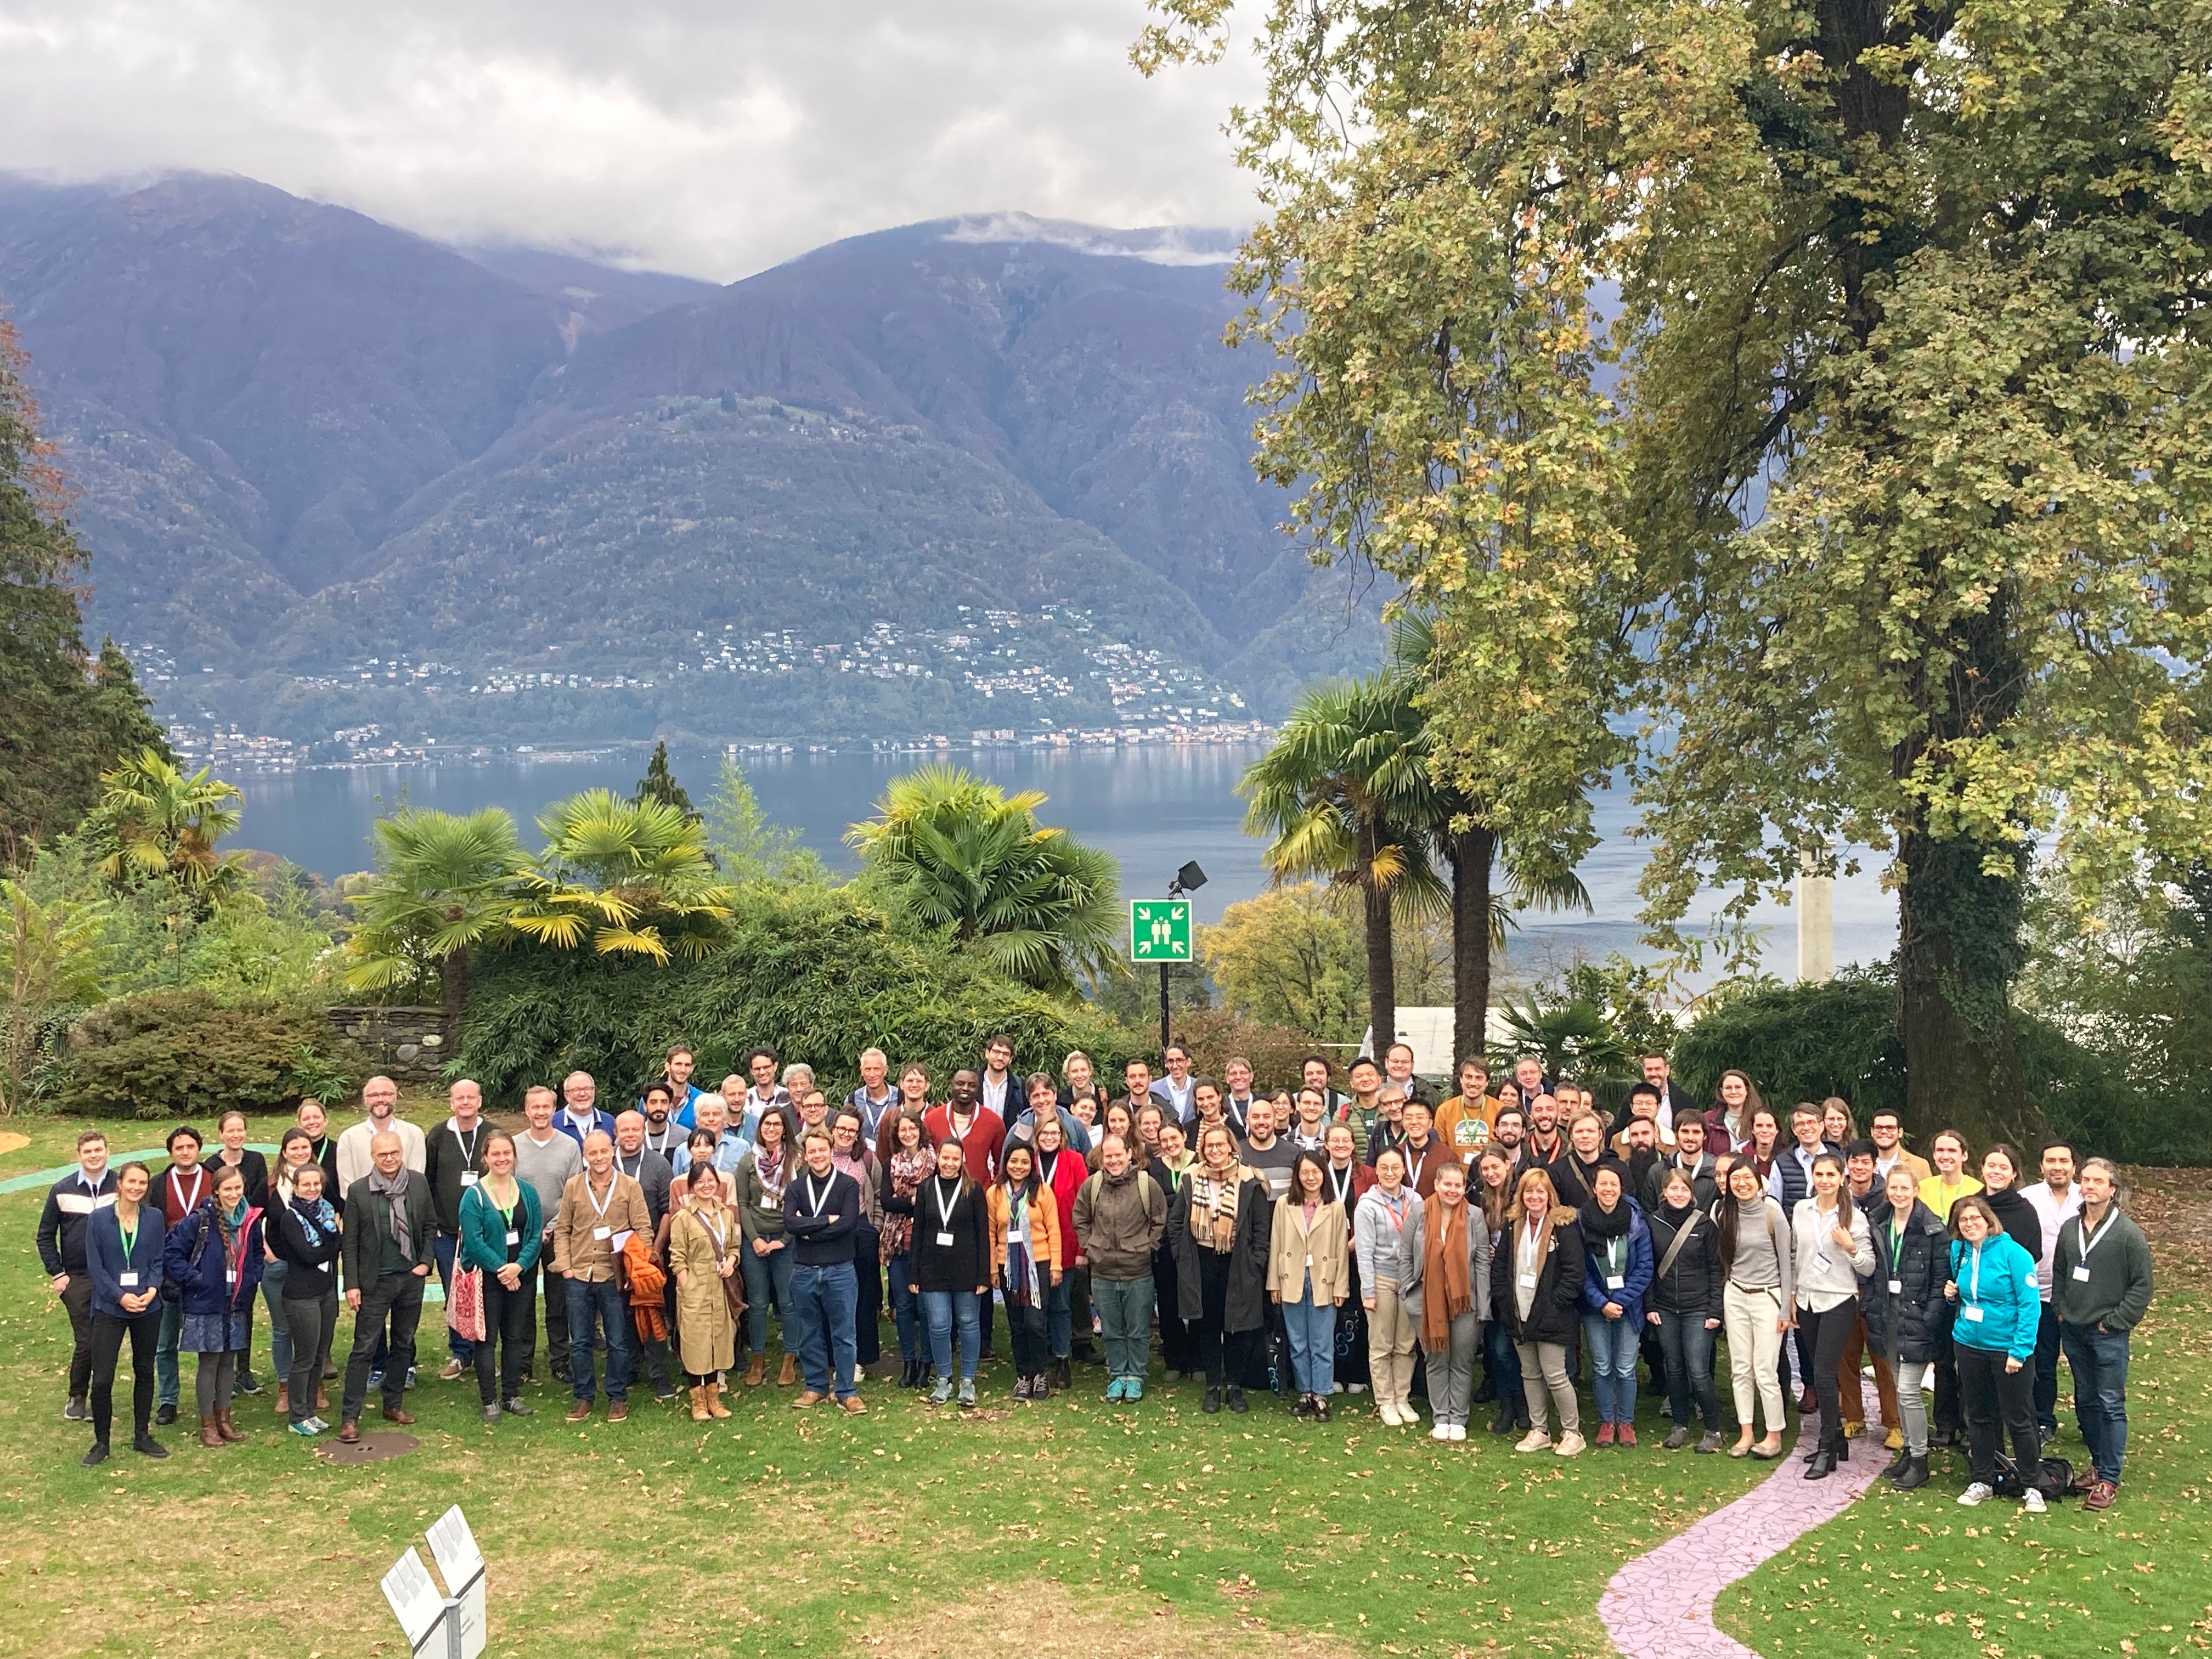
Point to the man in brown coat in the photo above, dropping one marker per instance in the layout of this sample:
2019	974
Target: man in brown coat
600	1210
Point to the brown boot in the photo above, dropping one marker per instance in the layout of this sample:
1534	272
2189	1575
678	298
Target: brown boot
209	1436
789	1374
284	1400
715	1406
226	1429
322	1398
756	1370
698	1405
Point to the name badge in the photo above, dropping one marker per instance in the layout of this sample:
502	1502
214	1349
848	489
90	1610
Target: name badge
1309	1262
513	1236
603	1233
1972	1315
128	1281
468	1177
945	1241
1614	1281
1897	1287
1528	1281
2080	1272
231	1275
1820	1263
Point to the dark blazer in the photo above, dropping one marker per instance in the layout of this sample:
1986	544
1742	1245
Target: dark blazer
1246	1306
817	1241
1555	1314
105	1262
965	1262
250	1164
368	1225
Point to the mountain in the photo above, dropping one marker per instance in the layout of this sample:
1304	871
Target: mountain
331	472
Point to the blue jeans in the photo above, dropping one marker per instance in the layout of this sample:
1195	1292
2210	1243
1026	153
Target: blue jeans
1312	1334
1059	1324
165	1352
768	1279
443	1247
2099	1363
603	1302
1125	1315
822	1300
1611	1344
1505	1370
1688	1347
906	1311
944	1309
280	1329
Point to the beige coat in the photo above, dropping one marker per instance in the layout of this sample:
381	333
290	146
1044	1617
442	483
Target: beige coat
1327	1244
706	1334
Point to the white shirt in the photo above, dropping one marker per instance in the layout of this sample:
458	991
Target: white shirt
2052	1214
994	1094
353	1161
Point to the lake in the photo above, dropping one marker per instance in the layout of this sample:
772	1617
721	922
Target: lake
1151	806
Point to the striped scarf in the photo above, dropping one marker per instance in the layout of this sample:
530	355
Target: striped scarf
1213	1206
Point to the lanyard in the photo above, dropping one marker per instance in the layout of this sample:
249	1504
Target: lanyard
1613	1247
199	1180
1974	1290
130	1240
1394	1208
668	1133
721	1234
633	1174
2082	1232
1339	1182
600	1209
819	1197
469	1146
943	1209
1047	1168
1414	1173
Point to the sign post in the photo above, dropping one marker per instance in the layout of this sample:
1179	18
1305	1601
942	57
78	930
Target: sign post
449	1627
1159	931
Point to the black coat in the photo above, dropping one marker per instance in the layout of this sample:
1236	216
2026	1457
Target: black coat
1555	1314
1691	1287
965	1262
1246	1306
1907	1326
2021	1223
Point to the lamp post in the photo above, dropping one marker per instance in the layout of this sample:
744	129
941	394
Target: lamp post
1186	881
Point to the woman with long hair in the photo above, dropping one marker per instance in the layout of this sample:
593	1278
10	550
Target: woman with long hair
906	1164
1685	1307
1729	1123
1453	1296
763	1174
1494	1175
1617	1272
1765	1142
1906	1313
1061	1172
1221	1225
309	1242
949	1257
1834	1247
705	1245
501	1227
1025	1259
1838	1128
215	1255
1309	1279
1760	1290
295	1148
1537	1288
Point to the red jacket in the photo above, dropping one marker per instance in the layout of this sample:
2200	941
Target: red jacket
981	1144
1068	1175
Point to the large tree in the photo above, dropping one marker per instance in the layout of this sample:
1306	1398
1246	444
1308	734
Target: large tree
65	716
1903	466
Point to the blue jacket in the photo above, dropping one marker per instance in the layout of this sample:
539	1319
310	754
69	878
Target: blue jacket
1635	1269
601	1122
2004	1290
483	1235
105	1261
193	1262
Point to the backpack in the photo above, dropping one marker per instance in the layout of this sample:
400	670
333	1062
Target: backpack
2055	1478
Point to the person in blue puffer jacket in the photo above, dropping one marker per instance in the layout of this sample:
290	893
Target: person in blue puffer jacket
1616	1274
1993	1286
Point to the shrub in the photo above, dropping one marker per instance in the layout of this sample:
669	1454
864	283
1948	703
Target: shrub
811	971
1276	1052
183	1057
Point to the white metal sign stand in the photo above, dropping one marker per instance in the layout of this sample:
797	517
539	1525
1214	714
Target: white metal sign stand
425	1615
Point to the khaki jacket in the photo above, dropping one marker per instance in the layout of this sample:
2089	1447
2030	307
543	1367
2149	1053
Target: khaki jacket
577	1249
1292	1244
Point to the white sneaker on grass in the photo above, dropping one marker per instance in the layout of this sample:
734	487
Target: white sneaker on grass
1572	1444
2034	1501
1978	1493
1459	1431
1535	1440
1441	1431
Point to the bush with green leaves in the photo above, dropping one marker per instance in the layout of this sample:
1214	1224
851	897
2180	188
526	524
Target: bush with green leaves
812	972
185	1057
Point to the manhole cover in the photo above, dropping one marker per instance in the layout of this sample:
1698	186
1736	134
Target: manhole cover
369	1448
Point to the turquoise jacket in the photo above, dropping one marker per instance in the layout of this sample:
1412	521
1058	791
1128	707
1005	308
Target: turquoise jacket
483	1235
2003	1289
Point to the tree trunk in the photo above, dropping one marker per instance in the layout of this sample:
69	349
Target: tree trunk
1471	852
455	978
1382	968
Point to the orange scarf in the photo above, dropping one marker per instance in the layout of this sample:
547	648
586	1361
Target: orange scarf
646	1282
1449	1292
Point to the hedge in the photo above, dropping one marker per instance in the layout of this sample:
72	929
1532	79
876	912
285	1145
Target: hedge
812	972
187	1057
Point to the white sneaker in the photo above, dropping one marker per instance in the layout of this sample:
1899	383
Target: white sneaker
1975	1494
1571	1446
1535	1441
1441	1431
1459	1431
2034	1501
1387	1411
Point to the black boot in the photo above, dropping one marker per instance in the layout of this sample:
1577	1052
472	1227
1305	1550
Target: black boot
1897	1464
1502	1423
1236	1399
1213	1401
1822	1466
1913	1476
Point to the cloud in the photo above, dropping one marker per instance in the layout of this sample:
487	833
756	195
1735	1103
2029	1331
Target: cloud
695	136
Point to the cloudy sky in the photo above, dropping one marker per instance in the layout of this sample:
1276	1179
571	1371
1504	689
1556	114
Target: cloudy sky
704	136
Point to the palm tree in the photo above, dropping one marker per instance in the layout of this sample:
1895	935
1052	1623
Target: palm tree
154	825
1342	794
631	878
956	852
445	886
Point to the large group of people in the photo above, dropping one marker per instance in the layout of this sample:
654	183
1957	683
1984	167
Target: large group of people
1319	1243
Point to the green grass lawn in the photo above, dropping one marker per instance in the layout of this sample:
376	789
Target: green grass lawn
1914	1574
1068	1526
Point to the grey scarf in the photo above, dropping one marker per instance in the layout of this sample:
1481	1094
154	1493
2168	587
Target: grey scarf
394	1191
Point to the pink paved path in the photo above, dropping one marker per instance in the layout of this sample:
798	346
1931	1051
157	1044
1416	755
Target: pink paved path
1645	1607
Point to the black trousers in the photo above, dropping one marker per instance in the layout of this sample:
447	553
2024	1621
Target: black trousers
108	1333
556	1320
1026	1327
1178	1342
1998	1402
397	1298
76	1303
1825	1335
868	1300
1950	1415
1225	1355
510	1326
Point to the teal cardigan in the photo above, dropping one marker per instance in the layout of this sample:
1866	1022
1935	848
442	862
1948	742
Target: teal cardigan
483	1235
2011	1305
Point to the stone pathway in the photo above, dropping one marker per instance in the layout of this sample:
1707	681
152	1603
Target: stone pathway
1644	1608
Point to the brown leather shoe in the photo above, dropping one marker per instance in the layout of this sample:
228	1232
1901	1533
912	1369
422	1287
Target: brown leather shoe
397	1414
210	1437
227	1429
350	1433
617	1411
853	1405
809	1398
756	1370
284	1400
580	1412
789	1374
